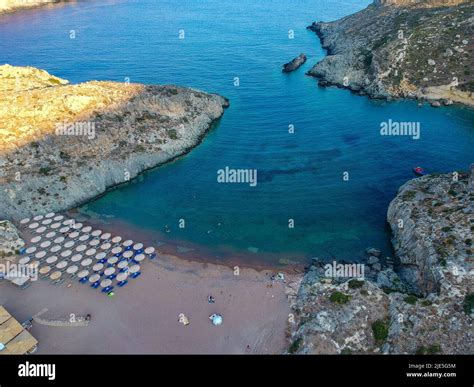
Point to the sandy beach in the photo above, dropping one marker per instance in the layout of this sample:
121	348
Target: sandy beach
143	316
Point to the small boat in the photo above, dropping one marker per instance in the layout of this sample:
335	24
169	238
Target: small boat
419	171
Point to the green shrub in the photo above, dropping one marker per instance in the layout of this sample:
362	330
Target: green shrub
468	304
380	329
411	299
426	303
431	350
295	345
339	298
355	284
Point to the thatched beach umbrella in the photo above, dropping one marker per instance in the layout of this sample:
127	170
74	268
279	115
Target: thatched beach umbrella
116	250
81	248
30	250
45	244
122	264
25	221
91	252
112	260
109	271
58	218
50	234
105	283
61	265
35	239
149	250
72	269
94	278
41	230
74	235
55	248
77	226
139	257
122	277
94	242
34	225
86	262
69	244
44	270
134	269
84	237
69	222
59	239
49	215
64	230
66	253
76	258
55	275
83	274
105	236
54	226
24	260
106	246
87	229
40	254
100	256
46	222
96	233
127	243
138	246
98	267
37	218
52	259
128	254
116	239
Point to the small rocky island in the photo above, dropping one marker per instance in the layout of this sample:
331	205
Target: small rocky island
7	6
420	302
62	144
419	49
295	64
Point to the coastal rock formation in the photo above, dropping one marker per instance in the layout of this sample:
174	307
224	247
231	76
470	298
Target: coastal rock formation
402	49
10	240
62	144
295	64
424	305
13	5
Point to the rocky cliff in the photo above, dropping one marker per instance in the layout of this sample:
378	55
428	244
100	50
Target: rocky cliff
402	48
14	5
64	144
422	304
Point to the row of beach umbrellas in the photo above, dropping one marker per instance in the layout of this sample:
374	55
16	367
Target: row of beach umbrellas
62	247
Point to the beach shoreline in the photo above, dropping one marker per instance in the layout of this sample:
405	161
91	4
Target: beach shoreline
143	317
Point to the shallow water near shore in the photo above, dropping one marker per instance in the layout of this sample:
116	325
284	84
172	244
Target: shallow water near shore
300	175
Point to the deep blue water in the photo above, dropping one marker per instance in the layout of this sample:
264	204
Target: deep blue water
300	175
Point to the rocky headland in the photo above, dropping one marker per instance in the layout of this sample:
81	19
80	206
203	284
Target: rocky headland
62	144
420	302
419	49
7	6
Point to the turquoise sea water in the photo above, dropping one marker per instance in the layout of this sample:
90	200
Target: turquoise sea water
300	175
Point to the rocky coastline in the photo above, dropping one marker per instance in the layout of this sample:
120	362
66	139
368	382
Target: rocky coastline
419	302
64	144
8	6
421	49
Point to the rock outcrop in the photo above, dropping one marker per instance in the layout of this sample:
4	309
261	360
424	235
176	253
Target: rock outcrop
14	5
62	144
295	64
425	304
10	240
402	49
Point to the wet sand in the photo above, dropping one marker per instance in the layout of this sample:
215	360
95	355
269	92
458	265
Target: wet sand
143	316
